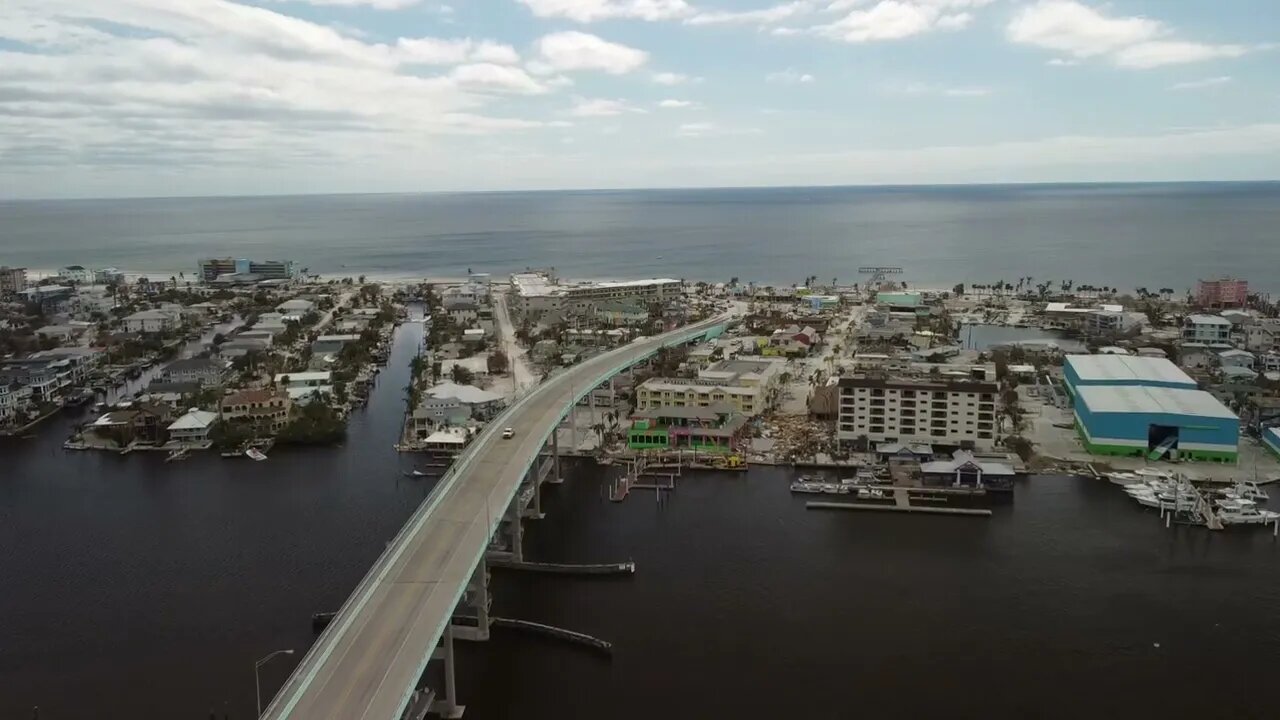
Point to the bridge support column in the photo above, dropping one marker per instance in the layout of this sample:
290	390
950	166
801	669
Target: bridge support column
475	606
446	706
516	525
556	477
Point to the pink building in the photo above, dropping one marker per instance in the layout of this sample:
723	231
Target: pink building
1227	292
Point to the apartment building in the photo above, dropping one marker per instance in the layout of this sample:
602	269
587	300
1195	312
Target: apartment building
212	268
1207	330
1226	292
12	280
746	384
538	292
896	410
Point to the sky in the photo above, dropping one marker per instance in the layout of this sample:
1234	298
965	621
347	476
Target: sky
118	98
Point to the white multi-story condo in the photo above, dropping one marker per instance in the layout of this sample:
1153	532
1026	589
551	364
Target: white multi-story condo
539	292
1206	329
917	411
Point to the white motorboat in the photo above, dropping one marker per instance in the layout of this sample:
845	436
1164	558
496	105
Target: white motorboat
1246	516
1249	490
255	454
804	486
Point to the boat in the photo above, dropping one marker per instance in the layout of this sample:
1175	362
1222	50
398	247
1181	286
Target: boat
1249	490
1123	478
804	486
415	473
255	454
866	493
1246	516
176	455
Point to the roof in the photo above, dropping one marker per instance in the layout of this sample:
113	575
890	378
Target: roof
1235	353
194	420
192	364
962	458
250	395
899	298
446	437
1127	368
1207	320
464	393
152	315
1144	399
338	338
303	376
1239	372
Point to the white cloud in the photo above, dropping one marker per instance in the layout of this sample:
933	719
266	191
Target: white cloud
896	19
790	77
675	104
1201	84
573	51
698	129
490	77
439	51
923	89
197	85
762	16
601	107
708	129
672	79
1172	52
1062	62
586	11
375	4
1134	42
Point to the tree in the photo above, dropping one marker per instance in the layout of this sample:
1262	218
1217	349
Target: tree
417	366
959	289
316	424
1020	445
497	362
219	338
461	375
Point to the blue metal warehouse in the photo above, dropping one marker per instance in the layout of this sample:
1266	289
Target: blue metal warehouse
1156	422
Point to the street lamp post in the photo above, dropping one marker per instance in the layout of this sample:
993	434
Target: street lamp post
257	685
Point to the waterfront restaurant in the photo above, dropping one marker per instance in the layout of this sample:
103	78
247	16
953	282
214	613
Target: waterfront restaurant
716	428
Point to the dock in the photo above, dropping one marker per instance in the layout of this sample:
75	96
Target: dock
825	505
557	633
615	568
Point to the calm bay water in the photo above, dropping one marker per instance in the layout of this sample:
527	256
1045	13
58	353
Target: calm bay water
1161	235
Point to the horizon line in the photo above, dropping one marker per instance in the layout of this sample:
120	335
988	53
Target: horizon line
673	188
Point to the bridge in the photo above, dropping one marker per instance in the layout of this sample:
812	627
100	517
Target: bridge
368	664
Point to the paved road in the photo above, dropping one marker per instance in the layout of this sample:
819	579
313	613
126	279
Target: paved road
366	664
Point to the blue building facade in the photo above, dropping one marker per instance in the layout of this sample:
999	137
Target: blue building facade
1156	423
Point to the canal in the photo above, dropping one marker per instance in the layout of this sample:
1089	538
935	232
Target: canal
139	589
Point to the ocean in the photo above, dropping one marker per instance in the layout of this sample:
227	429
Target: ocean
1121	235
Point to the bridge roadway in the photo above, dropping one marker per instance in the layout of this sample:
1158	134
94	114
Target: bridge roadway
366	664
